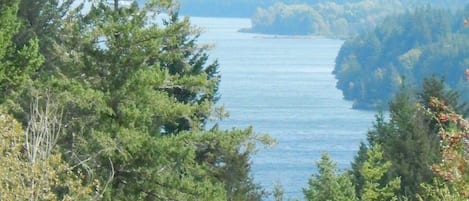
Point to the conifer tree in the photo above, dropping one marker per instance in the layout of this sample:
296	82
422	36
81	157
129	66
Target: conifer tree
17	63
409	141
327	184
135	93
373	170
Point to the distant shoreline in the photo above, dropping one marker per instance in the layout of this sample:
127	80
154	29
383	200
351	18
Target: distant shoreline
287	36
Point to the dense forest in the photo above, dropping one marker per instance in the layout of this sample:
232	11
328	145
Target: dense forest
405	48
235	8
100	102
419	153
327	19
336	19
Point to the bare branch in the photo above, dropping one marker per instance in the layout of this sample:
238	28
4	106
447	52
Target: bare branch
44	128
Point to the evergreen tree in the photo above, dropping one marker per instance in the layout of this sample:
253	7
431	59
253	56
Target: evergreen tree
135	93
129	63
17	63
31	168
43	20
373	170
409	141
327	185
357	178
146	81
433	87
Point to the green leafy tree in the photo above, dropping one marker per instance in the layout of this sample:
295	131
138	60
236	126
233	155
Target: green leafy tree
453	132
439	190
327	184
28	175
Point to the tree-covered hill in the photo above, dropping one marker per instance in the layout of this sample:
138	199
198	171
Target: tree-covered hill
371	67
234	8
336	19
330	19
333	18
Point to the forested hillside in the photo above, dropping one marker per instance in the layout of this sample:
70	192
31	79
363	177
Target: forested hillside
337	19
404	49
104	103
328	19
235	8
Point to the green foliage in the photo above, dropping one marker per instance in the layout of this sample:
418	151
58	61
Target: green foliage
42	19
10	25
236	8
357	178
221	8
284	19
146	84
278	192
247	8
227	155
409	141
49	178
404	48
453	132
438	191
419	153
140	71
330	19
158	169
373	170
433	87
134	91
337	19
327	185
17	63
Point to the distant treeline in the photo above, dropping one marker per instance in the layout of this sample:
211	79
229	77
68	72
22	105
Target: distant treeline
235	8
337	19
402	50
326	19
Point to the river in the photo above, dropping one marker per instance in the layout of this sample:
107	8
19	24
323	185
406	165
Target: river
283	86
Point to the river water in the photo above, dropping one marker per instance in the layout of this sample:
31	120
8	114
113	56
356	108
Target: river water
283	86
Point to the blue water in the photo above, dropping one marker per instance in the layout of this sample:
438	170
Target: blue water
283	86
